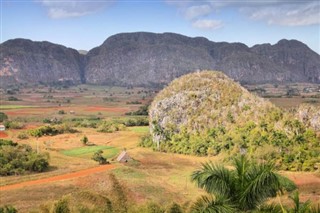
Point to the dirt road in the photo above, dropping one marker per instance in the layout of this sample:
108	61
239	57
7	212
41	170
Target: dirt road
59	177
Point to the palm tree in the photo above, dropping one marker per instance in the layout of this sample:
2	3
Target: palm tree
244	188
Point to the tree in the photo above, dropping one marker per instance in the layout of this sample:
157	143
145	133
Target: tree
244	188
84	140
97	156
3	116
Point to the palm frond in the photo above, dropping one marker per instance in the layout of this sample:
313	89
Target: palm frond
209	204
286	183
214	179
315	209
242	164
267	208
262	183
299	206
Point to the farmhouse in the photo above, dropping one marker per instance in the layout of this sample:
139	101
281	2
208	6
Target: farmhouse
2	127
123	157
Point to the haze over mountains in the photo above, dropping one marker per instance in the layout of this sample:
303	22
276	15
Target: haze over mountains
149	59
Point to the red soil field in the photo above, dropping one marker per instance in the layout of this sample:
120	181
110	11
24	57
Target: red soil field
59	177
3	135
109	109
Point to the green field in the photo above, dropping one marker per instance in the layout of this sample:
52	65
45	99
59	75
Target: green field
2	107
88	151
140	129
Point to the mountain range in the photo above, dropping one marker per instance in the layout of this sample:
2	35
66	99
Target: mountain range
150	59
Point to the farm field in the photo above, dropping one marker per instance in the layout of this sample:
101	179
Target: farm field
151	176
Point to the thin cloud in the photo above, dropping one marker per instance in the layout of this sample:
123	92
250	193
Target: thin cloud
275	12
289	15
207	24
73	8
196	11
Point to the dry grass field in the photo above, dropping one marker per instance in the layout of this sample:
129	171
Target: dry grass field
151	176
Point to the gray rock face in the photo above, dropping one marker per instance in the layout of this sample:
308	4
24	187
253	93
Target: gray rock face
149	59
309	115
199	101
27	61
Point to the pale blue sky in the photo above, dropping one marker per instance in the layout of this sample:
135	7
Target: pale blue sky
86	24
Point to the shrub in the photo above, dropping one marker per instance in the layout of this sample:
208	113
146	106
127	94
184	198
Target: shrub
12	98
13	125
4	142
23	135
52	130
97	156
8	209
174	208
143	110
61	206
84	140
146	141
17	159
61	112
111	126
3	116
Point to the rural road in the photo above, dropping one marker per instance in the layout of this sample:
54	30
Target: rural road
77	174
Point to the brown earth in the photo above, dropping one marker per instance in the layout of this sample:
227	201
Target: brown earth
59	177
108	109
3	135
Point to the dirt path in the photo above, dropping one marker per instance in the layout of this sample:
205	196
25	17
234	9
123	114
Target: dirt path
59	177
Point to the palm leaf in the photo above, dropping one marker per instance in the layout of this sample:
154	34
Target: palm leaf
286	183
262	183
214	179
209	204
298	206
267	208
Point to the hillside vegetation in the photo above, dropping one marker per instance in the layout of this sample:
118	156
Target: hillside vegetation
207	113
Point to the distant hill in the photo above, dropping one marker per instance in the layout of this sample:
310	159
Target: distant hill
28	61
150	59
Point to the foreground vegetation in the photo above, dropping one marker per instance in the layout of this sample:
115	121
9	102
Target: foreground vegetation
153	181
18	159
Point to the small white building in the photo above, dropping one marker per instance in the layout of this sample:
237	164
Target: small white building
2	127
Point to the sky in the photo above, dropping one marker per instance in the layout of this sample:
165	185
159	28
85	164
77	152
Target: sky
83	24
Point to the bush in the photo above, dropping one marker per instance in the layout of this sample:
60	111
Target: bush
61	206
143	110
13	125
3	116
18	159
84	140
51	130
146	141
97	156
111	126
61	112
8	209
12	98
4	142
174	208
23	135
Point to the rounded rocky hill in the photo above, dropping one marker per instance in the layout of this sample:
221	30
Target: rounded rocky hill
199	101
207	113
